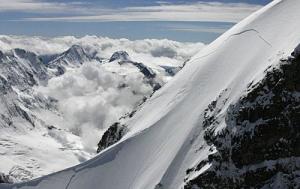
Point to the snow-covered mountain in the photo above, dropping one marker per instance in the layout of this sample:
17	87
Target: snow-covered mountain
228	119
55	107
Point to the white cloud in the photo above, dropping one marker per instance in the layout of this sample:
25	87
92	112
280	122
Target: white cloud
148	51
200	11
90	99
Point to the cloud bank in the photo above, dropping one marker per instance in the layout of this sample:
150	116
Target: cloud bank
91	99
148	51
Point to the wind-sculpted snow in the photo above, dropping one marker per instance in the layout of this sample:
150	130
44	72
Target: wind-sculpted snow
166	136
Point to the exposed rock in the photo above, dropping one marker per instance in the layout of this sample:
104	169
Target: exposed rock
171	70
120	56
5	178
296	52
73	57
159	186
113	134
22	68
146	71
20	71
259	147
1	55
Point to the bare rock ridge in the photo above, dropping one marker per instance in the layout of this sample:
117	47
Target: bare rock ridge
113	134
121	56
5	178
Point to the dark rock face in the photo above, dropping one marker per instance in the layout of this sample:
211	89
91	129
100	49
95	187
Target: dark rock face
146	71
120	55
260	145
149	75
171	70
111	136
1	55
5	178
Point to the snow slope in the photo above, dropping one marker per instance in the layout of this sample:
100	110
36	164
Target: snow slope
165	135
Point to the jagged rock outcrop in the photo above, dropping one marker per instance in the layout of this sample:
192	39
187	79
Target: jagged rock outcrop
121	56
73	57
259	147
146	71
5	178
171	70
21	68
150	76
113	134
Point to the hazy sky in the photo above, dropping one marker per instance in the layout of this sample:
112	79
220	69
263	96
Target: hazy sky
181	20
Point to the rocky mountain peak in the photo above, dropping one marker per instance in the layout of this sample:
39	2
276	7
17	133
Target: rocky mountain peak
120	55
75	55
1	55
75	50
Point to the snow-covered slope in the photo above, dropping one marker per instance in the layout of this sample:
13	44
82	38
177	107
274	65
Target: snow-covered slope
166	136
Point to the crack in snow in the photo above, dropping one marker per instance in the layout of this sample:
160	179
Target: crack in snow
232	35
71	178
251	30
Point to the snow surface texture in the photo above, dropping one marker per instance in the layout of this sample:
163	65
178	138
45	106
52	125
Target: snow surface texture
164	136
66	102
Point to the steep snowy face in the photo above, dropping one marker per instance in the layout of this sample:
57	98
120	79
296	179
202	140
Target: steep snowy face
20	67
19	71
75	55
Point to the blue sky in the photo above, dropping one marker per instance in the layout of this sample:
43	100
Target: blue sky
181	20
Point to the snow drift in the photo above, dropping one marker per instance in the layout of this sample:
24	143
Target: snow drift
165	137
